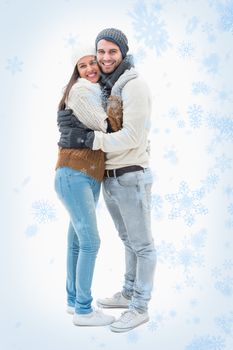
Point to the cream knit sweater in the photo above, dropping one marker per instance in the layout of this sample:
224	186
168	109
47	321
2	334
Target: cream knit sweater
129	146
85	100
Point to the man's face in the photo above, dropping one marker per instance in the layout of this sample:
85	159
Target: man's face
108	56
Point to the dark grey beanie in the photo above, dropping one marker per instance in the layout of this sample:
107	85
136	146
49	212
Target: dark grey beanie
116	36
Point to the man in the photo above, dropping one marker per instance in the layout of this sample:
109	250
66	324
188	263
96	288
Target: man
127	182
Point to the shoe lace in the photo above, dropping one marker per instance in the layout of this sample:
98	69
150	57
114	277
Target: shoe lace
117	295
128	315
98	312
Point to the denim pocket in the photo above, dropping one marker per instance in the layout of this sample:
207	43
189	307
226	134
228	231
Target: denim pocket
129	179
146	196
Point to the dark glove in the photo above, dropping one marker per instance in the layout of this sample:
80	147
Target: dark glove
66	119
76	138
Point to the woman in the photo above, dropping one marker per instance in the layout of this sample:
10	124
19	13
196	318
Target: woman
77	183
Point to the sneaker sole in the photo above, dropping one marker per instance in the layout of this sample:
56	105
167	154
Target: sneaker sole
121	330
93	325
105	306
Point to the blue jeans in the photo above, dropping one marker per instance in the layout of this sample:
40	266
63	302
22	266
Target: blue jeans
128	199
79	193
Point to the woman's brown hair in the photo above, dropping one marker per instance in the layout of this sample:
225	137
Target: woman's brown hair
72	81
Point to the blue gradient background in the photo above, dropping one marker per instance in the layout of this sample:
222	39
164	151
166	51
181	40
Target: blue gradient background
184	49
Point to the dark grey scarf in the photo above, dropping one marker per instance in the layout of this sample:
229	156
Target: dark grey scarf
108	80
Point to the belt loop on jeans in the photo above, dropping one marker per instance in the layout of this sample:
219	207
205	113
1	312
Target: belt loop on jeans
107	173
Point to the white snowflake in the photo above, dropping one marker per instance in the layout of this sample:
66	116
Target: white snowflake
149	28
44	212
186	204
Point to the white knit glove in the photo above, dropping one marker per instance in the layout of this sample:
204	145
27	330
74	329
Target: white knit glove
123	80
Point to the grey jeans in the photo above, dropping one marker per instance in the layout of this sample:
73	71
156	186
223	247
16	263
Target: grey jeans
128	199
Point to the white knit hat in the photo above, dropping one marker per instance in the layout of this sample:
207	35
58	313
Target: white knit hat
82	50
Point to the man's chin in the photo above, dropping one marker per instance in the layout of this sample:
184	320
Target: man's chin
107	70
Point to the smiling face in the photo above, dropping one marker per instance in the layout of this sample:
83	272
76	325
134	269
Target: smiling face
108	56
88	68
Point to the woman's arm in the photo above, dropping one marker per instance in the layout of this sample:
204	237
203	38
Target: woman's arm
85	101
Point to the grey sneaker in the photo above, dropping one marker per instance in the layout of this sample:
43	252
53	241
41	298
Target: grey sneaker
117	300
95	318
129	320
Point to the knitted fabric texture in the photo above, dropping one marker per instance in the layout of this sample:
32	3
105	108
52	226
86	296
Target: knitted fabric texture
128	75
108	80
85	160
85	101
116	36
80	51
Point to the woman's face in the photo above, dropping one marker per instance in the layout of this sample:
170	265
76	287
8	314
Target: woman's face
88	68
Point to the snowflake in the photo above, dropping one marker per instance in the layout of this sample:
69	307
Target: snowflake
228	264
195	113
43	211
206	342
197	240
173	313
186	50
224	96
149	28
208	29
156	202
230	209
223	281
210	182
228	191
186	204
225	286
225	323
192	25
223	125
229	224
171	156
223	163
186	257
71	41
139	56
156	206
211	63
200	87
173	113
31	230
193	302
166	253
216	272
152	326
133	336
226	15
14	65
181	124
